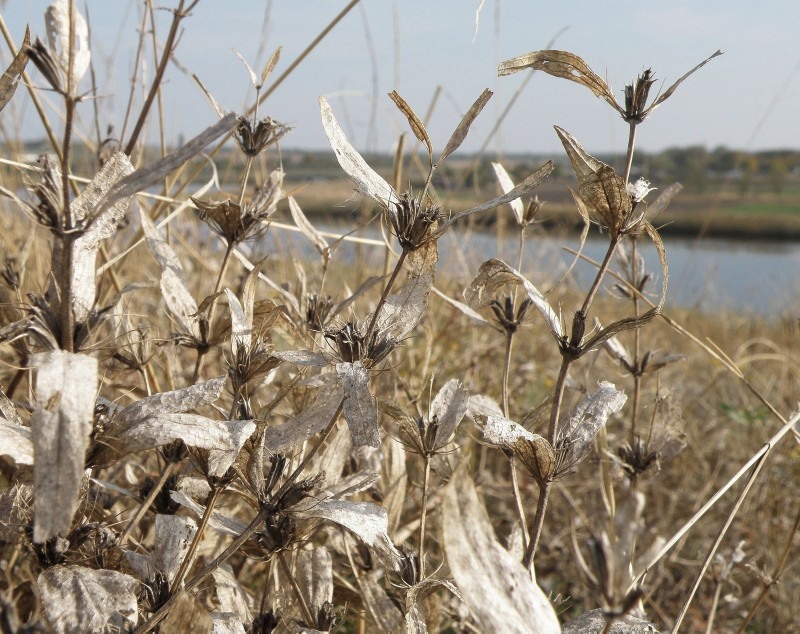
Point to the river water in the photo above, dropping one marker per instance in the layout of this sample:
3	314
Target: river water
755	277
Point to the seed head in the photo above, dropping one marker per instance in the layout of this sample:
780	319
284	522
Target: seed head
255	139
413	222
636	97
351	344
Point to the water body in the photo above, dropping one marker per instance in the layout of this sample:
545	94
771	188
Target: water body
756	277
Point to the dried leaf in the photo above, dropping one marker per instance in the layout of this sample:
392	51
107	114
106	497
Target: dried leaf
97	227
218	521
366	179
402	311
449	406
506	184
533	451
173	285
495	274
417	127
9	410
12	75
241	331
596	620
474	315
668	92
315	578
496	587
252	73
382	609
307	229
301	357
587	419
360	410
369	522
214	104
312	420
61	424
416	623
58	35
523	189
226	623
174	534
565	65
78	599
272	62
230	594
461	131
16	442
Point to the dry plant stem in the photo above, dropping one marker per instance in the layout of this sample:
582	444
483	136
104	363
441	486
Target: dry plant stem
252	527
211	502
397	268
631	144
637	377
776	573
523	522
751	480
538	523
601	273
297	591
714	606
423	516
147	502
178	15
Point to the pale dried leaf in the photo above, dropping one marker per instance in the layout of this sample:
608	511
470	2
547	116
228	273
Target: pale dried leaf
241	331
668	92
394	479
402	311
461	131
596	621
493	275
230	594
583	163
313	419
218	521
496	587
57	22
369	522
301	357
66	384
9	410
78	599
472	314
506	184
175	401
12	74
366	179
214	104
449	406
480	404
565	65
272	62
417	127
251	72
187	614
226	623
383	611
16	443
306	228
98	227
315	577
173	536
523	189
504	432
588	418
360	410
618	351
416	623
173	285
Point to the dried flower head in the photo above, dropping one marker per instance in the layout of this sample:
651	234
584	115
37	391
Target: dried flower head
636	97
237	222
254	138
251	362
350	344
414	222
508	319
318	310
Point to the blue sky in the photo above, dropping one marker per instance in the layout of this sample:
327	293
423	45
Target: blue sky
749	98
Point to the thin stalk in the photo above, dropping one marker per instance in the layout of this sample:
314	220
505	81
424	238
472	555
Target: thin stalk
751	480
226	554
714	605
776	573
423	516
523	522
506	370
612	247
211	502
538	522
385	294
637	378
297	591
629	155
147	502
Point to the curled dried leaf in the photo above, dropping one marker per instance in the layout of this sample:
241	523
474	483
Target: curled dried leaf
417	127
12	74
360	410
461	131
507	185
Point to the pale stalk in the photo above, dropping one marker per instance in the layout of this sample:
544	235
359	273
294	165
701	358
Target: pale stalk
297	591
147	502
423	516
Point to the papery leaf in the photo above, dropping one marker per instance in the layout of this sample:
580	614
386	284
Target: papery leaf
506	184
584	164
496	587
187	614
12	74
472	314
174	534
587	419
173	285
402	311
417	127
618	351
227	623
58	35
501	431
78	599
241	331
482	405
449	406
668	92
382	609
360	410
97	227
461	131
565	65
214	104
533	451
523	189
493	275
597	620
9	410
306	228
366	179
301	357
663	200
313	419
230	594
314	577
218	521
272	62
66	384
251	72
16	442
369	522
416	622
